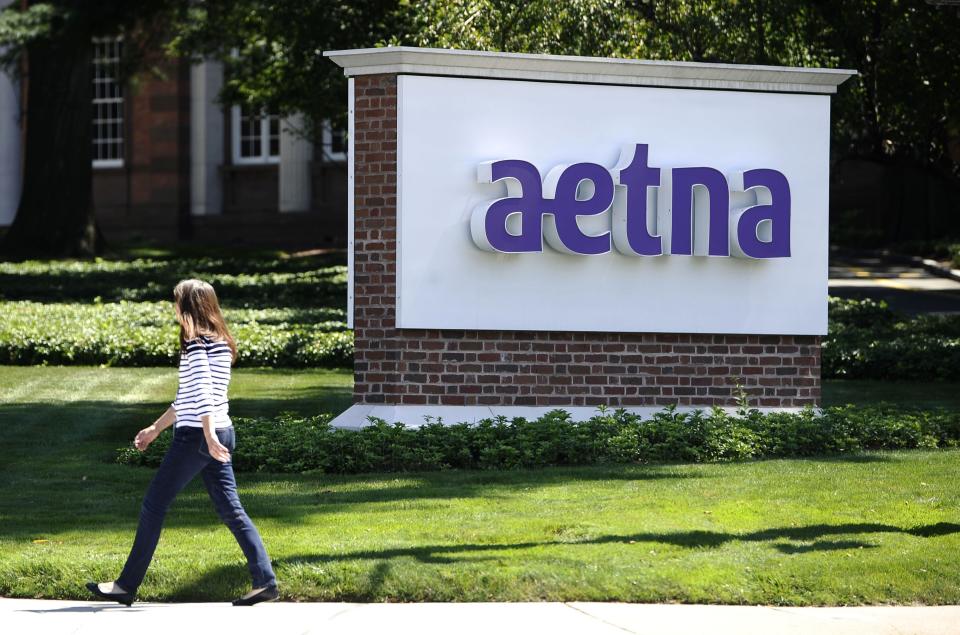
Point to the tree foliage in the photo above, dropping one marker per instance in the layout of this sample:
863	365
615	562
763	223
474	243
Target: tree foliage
273	49
906	102
904	106
604	28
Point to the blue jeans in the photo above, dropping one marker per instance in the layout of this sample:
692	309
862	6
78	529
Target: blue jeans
187	457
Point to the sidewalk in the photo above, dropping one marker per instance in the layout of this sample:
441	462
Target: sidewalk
906	286
554	618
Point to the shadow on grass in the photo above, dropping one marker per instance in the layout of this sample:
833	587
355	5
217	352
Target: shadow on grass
867	456
218	580
302	401
105	503
118	423
440	554
223	581
711	539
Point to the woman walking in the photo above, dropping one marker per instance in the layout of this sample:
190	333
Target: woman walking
203	438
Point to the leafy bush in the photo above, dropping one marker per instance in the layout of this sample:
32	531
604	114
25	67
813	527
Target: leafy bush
145	333
309	444
864	313
867	340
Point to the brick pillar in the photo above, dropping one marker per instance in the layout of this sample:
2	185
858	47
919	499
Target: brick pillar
526	368
375	234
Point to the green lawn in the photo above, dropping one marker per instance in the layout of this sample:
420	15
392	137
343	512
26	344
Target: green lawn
927	394
878	528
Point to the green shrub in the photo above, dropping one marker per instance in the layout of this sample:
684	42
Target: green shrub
309	444
856	313
145	334
313	281
867	340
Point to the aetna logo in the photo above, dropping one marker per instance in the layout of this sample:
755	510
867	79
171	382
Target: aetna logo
689	211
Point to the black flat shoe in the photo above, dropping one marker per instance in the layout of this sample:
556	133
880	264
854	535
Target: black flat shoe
122	598
266	595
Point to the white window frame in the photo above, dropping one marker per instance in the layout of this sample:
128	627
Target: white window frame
120	99
326	139
265	158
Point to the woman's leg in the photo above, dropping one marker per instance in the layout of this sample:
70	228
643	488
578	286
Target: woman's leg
222	487
180	465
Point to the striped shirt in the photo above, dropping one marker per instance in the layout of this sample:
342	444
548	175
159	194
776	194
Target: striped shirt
204	377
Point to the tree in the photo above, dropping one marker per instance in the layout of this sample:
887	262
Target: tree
50	45
904	103
272	50
605	28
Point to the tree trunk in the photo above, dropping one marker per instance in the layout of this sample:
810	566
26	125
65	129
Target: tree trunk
55	216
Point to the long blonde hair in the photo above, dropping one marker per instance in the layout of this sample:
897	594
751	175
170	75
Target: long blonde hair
198	312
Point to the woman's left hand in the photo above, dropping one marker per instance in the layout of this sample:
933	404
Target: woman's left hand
217	450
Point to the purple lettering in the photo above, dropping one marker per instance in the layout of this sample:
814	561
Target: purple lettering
566	207
685	209
774	210
711	183
630	223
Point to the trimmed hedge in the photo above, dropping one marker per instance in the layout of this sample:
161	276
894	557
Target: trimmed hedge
302	445
127	325
867	340
145	334
310	281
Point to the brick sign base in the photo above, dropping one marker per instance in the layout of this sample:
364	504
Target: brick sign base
547	369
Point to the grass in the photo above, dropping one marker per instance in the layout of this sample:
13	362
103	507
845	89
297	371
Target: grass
876	528
913	393
146	392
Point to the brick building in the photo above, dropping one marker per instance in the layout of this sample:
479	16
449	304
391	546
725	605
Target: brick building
169	162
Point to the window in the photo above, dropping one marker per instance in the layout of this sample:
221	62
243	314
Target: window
256	136
107	103
334	143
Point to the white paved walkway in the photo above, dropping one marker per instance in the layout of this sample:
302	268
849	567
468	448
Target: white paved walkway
552	618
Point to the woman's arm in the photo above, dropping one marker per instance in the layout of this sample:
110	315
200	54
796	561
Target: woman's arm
217	450
167	419
146	436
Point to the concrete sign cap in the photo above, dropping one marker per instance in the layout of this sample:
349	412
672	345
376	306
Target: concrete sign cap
591	70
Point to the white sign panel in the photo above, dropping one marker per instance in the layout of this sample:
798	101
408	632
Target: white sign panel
572	207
